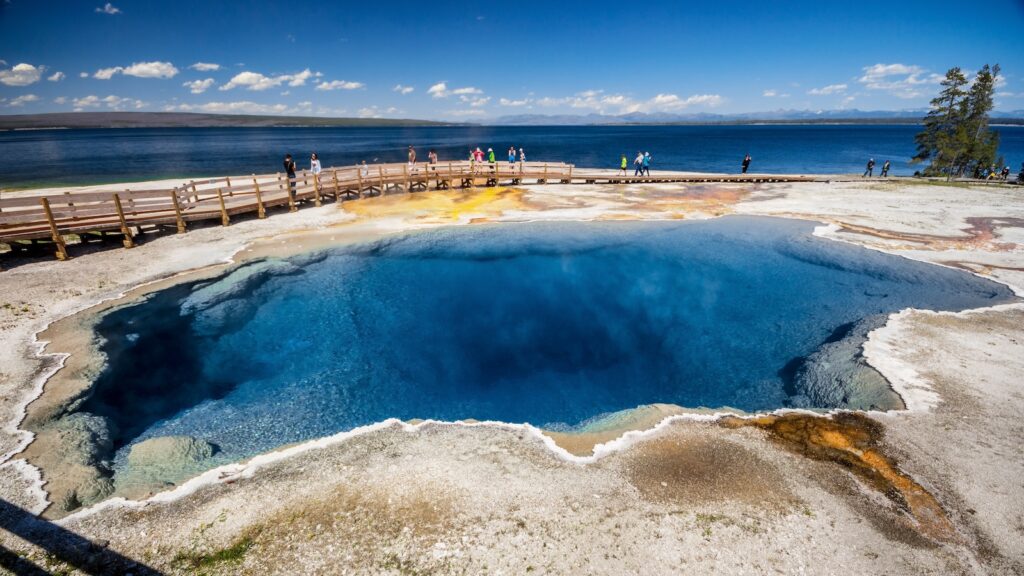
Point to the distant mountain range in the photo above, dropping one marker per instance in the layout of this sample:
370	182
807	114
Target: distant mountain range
191	120
770	117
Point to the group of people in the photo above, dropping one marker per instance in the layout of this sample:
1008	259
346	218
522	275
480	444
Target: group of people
478	156
994	174
870	169
641	164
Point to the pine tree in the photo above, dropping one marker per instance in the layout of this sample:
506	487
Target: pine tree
981	144
956	137
937	142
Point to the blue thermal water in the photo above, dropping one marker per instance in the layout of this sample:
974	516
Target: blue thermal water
550	324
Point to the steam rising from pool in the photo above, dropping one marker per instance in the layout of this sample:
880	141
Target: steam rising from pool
552	324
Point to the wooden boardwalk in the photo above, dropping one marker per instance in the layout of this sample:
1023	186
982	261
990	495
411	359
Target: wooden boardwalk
27	219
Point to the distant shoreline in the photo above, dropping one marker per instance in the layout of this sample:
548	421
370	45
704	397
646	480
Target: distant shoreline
150	120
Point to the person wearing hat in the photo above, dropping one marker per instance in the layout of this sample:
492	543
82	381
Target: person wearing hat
490	155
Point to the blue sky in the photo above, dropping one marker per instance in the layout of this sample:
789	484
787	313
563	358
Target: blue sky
478	60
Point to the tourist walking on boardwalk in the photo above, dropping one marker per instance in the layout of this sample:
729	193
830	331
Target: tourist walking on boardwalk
746	163
490	155
623	164
364	169
412	155
647	163
478	155
432	157
885	169
870	169
314	167
638	164
511	155
289	170
522	155
1005	173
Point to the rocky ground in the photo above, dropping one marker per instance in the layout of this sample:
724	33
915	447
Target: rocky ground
938	488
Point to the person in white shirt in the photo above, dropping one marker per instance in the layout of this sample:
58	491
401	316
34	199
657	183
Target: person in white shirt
314	167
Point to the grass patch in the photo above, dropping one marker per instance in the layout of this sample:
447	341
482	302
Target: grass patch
196	561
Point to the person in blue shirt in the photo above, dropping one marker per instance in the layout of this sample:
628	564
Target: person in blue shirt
647	163
511	155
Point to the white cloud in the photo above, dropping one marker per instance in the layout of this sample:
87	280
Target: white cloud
827	90
339	85
900	80
106	73
139	70
773	93
474	100
375	111
205	67
440	90
151	70
258	82
22	100
21	75
108	8
83	74
56	77
241	107
462	113
112	102
60	100
507	102
199	86
598	101
847	101
403	89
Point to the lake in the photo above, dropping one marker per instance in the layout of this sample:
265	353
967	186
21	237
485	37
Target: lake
40	158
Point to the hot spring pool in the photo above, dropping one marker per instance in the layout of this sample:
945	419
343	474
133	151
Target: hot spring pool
551	324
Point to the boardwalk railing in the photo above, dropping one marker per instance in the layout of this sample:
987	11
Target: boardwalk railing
33	217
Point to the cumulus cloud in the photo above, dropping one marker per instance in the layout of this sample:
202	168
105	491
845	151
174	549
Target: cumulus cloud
83	74
773	93
112	102
21	75
199	86
900	80
139	70
22	100
339	85
205	67
258	82
602	103
56	77
827	90
60	100
403	89
440	90
375	111
108	8
240	107
514	103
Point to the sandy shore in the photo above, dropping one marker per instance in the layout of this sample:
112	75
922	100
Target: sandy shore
689	495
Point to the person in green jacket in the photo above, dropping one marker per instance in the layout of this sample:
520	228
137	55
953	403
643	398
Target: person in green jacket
490	155
623	164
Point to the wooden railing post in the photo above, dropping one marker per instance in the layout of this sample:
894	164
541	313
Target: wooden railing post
58	240
227	183
177	211
545	173
359	179
288	190
405	174
195	193
337	191
316	190
380	174
224	219
128	241
261	212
